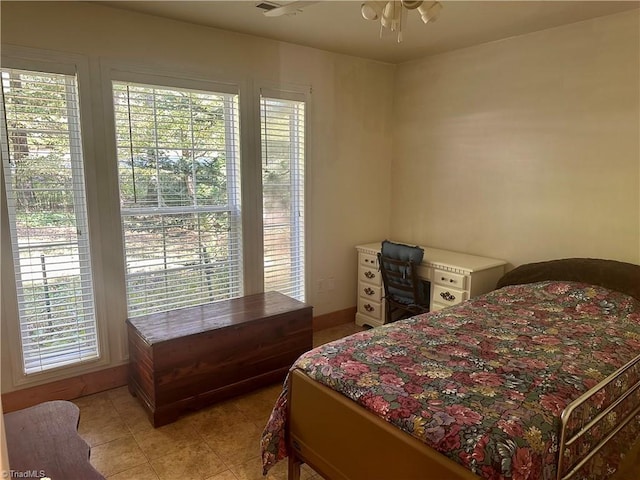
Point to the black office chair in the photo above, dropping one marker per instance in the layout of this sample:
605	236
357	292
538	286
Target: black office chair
405	293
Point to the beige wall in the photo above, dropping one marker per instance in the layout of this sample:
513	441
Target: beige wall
348	156
525	149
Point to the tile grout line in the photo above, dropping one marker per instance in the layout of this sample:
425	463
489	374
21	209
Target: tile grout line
134	439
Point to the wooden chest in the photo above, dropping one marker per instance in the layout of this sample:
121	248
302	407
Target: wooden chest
189	358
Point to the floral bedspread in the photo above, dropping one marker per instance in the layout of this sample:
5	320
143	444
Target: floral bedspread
484	382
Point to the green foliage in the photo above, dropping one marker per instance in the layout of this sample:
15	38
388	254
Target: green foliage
172	147
39	148
50	306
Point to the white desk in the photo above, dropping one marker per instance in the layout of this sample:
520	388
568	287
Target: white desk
454	277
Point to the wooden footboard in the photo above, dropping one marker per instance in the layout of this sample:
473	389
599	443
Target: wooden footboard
604	424
341	440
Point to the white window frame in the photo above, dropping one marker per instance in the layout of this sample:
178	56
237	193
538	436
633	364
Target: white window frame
189	81
300	94
29	59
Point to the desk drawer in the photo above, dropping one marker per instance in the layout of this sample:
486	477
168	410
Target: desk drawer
453	280
448	296
437	306
370	308
369	275
368	260
370	292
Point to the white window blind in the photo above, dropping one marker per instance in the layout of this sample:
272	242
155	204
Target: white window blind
283	133
44	184
178	165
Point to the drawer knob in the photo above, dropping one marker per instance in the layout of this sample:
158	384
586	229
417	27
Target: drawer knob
369	291
369	274
368	307
447	296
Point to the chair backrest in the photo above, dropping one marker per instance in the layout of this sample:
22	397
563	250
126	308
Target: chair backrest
400	251
400	279
398	263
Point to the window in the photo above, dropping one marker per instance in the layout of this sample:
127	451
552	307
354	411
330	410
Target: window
178	165
44	183
283	131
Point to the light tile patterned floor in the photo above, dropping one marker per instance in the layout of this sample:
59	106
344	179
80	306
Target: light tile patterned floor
221	442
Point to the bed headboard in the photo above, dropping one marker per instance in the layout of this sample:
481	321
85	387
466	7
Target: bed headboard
620	276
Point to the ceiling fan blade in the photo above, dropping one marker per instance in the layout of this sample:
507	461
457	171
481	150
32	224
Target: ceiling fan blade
289	9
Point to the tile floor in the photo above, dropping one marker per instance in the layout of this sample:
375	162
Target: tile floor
221	442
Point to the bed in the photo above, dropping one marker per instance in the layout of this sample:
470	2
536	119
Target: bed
537	379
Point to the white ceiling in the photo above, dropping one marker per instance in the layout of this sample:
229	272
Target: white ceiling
338	26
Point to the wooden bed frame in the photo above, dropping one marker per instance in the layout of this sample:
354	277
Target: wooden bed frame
341	440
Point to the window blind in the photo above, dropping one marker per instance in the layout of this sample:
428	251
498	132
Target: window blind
282	140
178	165
44	184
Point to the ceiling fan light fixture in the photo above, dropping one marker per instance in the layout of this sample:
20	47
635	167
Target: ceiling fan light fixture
391	15
411	5
372	10
429	13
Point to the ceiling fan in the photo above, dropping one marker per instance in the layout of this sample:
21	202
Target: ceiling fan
389	13
273	9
